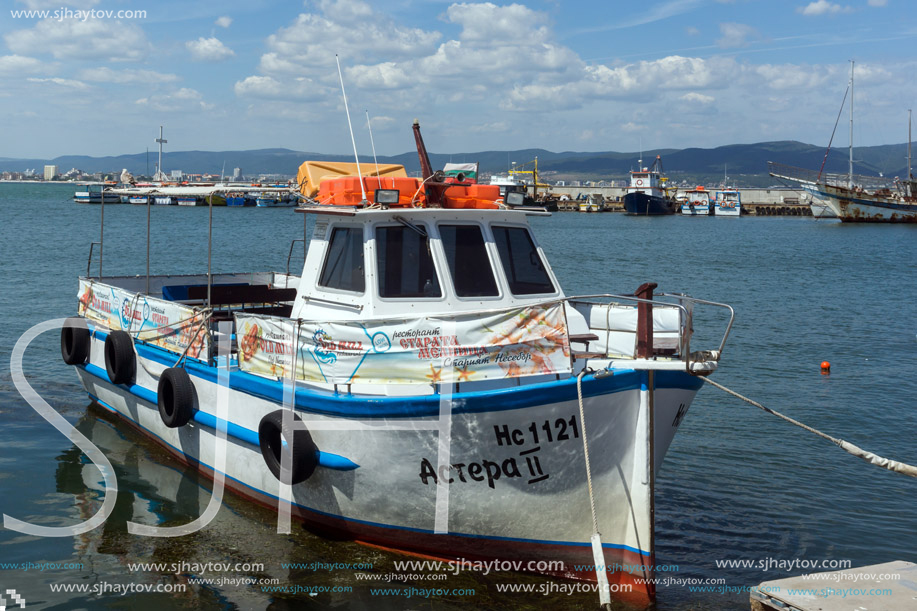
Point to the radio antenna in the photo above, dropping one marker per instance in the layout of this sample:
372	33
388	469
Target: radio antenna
350	125
373	144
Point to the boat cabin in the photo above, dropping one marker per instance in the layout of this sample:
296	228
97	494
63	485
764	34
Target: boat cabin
648	180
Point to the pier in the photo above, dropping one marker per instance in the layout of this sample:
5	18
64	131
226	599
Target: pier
891	586
755	202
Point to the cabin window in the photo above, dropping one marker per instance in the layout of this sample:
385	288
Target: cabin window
524	269
468	262
405	264
343	268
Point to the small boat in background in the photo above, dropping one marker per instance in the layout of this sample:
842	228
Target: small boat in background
697	202
94	195
164	200
187	200
239	199
140	200
646	195
728	202
594	202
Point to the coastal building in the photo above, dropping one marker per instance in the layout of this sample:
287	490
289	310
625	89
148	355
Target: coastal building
50	172
236	174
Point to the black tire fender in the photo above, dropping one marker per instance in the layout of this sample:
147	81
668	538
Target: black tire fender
175	395
272	442
120	362
74	341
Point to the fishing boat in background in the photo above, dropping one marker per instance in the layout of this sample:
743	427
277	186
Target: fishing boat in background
424	385
594	202
239	199
164	200
646	195
728	202
140	200
696	202
94	194
186	200
857	198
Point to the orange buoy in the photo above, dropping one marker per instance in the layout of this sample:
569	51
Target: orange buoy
825	367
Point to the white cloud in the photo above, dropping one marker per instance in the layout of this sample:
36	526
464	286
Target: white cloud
349	25
71	39
104	74
692	31
269	88
209	49
182	100
61	82
223	22
823	7
697	98
736	35
17	65
499	25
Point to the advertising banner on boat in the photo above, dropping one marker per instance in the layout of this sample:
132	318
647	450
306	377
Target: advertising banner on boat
162	323
444	349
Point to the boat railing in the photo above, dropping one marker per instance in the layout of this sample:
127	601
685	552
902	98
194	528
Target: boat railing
290	254
645	346
90	260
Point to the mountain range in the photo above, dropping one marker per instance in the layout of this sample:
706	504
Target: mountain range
746	164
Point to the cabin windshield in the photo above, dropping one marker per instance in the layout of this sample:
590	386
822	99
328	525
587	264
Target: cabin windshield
469	265
524	269
405	264
343	269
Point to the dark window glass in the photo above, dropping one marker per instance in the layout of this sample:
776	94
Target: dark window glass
522	265
344	264
468	261
405	264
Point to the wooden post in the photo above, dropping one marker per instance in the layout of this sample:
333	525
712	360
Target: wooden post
645	320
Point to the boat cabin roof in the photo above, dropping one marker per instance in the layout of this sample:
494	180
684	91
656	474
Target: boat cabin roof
369	263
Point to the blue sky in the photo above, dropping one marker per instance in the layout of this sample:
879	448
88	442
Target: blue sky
584	75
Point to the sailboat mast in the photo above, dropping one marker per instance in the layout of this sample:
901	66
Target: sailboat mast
850	167
910	176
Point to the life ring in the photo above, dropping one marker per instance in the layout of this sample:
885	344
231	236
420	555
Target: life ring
639	182
175	395
120	362
273	443
74	341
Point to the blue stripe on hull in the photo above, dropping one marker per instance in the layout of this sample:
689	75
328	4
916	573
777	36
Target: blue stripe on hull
345	405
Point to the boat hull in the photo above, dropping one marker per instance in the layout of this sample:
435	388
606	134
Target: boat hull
695	209
857	206
643	204
516	489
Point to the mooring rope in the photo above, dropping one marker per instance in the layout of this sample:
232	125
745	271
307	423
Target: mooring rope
879	461
598	554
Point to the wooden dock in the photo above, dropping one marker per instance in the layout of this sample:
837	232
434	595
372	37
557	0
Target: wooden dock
881	587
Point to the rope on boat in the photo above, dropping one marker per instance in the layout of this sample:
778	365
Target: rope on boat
879	461
598	556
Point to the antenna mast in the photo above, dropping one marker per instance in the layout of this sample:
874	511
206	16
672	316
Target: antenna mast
350	125
373	144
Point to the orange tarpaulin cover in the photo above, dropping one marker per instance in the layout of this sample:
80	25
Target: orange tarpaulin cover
312	173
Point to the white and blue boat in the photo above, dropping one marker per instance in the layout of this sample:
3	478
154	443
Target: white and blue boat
728	202
696	202
424	384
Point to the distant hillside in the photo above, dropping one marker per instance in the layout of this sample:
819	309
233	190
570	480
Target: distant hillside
745	164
